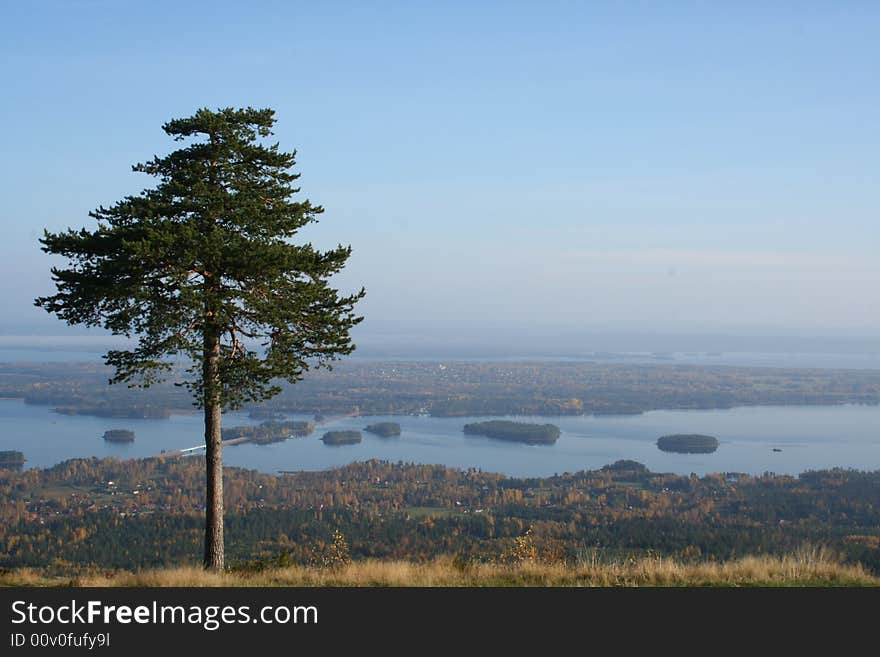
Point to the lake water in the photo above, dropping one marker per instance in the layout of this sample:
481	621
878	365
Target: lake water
810	437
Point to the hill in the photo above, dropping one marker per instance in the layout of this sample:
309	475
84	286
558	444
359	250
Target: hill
136	515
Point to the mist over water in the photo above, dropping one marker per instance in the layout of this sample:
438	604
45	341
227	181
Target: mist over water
453	340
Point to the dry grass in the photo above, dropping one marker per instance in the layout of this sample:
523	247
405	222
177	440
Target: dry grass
806	568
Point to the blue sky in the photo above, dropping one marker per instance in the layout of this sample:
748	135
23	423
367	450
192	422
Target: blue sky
643	166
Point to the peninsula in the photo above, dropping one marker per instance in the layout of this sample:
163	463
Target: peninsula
270	431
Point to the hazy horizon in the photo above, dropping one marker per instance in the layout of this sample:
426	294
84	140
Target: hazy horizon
546	179
453	340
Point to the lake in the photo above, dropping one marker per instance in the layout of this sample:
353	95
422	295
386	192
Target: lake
809	437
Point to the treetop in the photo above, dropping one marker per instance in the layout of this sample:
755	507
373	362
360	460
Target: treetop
206	255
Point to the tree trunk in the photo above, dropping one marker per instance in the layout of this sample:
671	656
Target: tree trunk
214	551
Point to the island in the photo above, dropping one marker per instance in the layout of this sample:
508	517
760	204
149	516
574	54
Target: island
11	460
341	437
384	429
268	432
520	432
119	436
688	443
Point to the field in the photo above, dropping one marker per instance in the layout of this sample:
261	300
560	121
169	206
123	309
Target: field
807	567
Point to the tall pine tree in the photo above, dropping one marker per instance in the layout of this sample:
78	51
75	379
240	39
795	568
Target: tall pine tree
201	268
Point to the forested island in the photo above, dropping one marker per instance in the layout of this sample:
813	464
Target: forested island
688	443
520	432
341	437
384	429
119	436
270	431
11	460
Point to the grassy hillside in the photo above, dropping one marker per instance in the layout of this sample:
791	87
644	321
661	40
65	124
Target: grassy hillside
807	568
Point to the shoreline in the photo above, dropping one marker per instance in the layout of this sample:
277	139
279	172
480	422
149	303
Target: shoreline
820	437
185	411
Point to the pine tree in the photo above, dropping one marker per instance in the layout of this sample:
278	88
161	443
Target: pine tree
201	269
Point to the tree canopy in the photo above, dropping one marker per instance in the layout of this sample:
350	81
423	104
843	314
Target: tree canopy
201	268
207	250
